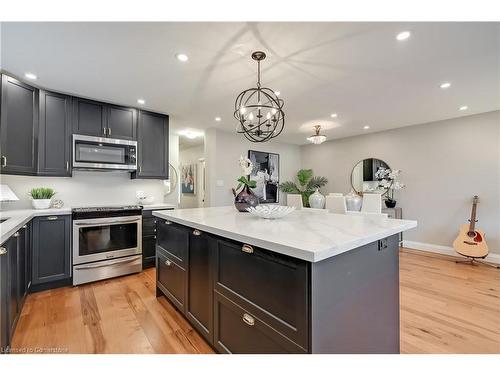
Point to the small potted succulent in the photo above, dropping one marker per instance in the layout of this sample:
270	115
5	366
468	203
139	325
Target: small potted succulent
245	198
41	197
389	179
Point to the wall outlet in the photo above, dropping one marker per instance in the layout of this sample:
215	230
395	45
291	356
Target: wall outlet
220	183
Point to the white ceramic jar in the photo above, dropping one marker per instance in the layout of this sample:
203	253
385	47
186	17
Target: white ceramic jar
317	200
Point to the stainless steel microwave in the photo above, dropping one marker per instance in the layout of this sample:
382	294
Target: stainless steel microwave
97	153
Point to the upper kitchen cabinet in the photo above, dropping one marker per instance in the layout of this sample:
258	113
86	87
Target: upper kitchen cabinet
54	140
152	146
121	122
18	127
89	117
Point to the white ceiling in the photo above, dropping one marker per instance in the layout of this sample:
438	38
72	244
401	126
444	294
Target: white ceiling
358	70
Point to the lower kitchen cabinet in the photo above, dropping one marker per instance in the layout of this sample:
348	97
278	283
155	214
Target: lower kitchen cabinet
199	300
51	244
171	279
148	239
4	293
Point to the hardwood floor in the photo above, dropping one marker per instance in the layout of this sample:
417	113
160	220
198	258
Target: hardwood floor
445	308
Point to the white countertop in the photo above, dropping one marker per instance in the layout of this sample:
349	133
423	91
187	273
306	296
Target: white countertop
304	234
17	218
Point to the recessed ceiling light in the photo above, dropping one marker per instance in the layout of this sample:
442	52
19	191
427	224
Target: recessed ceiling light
366	127
403	35
463	108
445	85
30	75
182	57
333	115
141	101
277	93
218	119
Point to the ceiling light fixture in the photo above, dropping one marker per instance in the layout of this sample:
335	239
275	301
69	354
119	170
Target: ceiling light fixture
141	101
218	119
463	108
189	134
30	76
182	57
333	115
445	85
366	127
403	35
258	110
317	138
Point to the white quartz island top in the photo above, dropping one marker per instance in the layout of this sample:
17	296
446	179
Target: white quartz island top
304	234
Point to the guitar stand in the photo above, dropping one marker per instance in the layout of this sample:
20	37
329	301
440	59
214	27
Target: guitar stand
473	261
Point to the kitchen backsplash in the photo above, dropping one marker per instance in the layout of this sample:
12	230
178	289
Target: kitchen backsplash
87	188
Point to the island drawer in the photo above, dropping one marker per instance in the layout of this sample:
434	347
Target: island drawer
272	285
174	239
238	331
171	279
149	226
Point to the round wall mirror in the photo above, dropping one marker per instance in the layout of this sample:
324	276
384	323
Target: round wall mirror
363	178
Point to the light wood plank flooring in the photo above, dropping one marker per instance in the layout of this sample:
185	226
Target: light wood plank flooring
445	308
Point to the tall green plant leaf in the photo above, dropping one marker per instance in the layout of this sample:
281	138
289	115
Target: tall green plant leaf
316	182
304	175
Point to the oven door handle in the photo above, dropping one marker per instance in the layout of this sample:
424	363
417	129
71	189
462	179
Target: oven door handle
96	224
90	266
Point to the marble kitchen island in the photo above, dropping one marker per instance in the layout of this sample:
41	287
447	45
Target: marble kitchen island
312	282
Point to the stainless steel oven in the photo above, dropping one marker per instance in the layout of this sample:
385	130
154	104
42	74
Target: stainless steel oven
99	153
107	242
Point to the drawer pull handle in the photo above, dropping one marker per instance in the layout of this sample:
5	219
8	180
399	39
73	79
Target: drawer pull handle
168	222
168	263
52	218
248	319
154	230
16	234
3	251
154	237
247	249
196	232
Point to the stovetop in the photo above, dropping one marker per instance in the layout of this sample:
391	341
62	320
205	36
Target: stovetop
109	211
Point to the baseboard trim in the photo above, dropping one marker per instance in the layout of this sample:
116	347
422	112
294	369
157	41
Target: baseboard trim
444	250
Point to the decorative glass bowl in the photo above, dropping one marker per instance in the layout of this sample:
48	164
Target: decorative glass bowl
270	211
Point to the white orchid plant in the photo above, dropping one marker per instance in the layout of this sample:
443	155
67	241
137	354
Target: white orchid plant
389	179
246	166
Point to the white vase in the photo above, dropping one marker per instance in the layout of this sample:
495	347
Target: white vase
317	200
353	201
41	204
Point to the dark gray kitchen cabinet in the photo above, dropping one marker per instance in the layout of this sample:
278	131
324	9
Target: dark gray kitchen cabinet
51	249
13	290
148	239
199	301
171	279
89	117
22	266
4	293
54	140
121	122
18	127
152	144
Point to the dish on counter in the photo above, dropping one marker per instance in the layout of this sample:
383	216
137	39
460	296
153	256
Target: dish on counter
270	211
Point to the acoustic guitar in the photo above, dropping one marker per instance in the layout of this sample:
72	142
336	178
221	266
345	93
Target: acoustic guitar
470	241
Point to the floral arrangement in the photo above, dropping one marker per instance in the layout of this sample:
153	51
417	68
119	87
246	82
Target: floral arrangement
308	183
246	166
389	179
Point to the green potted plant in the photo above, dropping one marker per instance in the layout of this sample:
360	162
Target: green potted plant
41	197
307	185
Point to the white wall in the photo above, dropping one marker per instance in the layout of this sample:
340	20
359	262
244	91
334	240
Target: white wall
94	188
223	150
187	156
444	164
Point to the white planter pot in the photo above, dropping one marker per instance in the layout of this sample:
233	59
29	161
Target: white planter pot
41	204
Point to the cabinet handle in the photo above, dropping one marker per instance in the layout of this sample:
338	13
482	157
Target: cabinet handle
154	229
67	165
168	222
52	218
247	249
16	234
140	168
109	132
248	319
168	263
104	131
25	226
196	232
4	161
154	237
3	251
